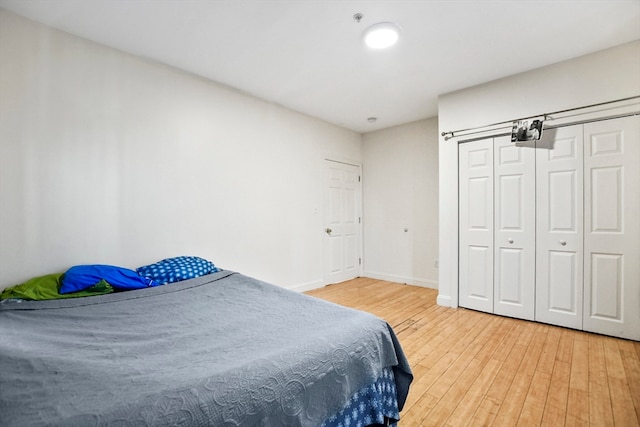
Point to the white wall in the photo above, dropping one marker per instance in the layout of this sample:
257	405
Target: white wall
400	190
599	77
108	158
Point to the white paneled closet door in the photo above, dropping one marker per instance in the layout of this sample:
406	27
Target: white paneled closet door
612	227
514	233
551	232
497	227
559	236
476	225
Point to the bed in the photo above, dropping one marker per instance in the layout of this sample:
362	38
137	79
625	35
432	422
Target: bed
222	349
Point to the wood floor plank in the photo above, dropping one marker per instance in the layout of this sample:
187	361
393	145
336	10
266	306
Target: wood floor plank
515	353
600	412
578	408
622	404
555	409
477	369
533	406
470	402
510	410
486	412
495	340
631	362
565	345
549	351
536	400
433	373
454	394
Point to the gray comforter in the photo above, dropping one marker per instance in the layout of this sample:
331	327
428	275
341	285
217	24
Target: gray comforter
222	349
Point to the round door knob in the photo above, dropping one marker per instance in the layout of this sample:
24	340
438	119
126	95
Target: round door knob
510	240
328	231
563	242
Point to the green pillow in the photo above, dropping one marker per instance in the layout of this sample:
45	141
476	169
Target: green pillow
46	287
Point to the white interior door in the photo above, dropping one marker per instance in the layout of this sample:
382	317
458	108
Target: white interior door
559	237
476	225
612	227
514	228
342	213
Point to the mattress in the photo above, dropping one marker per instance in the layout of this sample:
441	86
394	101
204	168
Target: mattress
221	349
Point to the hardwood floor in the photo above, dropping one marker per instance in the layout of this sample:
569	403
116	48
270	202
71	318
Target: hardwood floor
477	369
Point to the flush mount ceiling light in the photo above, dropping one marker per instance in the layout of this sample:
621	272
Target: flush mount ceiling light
381	35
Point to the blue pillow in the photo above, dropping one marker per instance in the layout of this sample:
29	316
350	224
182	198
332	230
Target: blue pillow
176	269
81	277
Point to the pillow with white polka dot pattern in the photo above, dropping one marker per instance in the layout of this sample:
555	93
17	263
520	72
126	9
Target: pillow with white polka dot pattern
171	270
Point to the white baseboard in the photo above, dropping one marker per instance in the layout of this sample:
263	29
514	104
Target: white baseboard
303	287
401	279
444	300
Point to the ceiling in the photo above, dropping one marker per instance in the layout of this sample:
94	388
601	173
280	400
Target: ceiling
308	55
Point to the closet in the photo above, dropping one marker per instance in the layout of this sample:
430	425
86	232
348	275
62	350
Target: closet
550	230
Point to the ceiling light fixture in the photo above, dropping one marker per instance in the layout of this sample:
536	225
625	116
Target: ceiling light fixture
381	35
